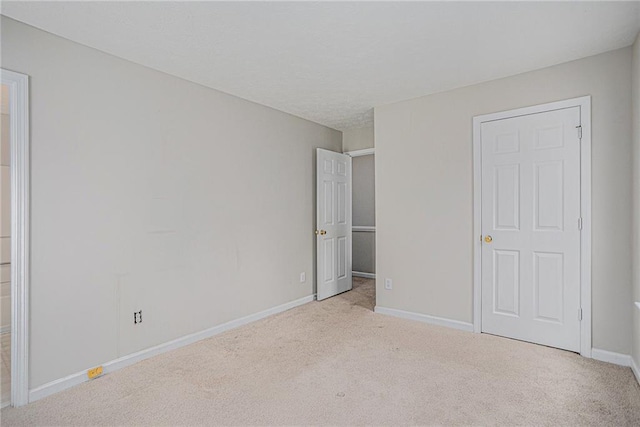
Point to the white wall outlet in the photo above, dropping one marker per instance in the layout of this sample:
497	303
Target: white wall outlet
303	277
388	284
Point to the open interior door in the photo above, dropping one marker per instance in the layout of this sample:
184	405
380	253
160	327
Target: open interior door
333	223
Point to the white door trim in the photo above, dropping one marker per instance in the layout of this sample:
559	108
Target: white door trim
19	143
585	208
363	152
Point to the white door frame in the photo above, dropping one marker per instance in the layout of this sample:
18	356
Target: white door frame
360	153
584	103
19	146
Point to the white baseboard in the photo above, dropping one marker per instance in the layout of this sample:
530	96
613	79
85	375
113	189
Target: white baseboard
635	369
365	275
80	377
432	320
611	357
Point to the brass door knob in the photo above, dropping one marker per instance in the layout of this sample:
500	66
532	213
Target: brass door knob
488	239
321	232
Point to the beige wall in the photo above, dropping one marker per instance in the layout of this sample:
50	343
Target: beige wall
153	193
364	242
364	190
5	214
636	199
357	139
364	252
424	190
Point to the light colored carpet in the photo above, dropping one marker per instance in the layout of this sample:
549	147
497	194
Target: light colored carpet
337	362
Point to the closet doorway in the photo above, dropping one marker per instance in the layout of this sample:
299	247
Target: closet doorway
364	221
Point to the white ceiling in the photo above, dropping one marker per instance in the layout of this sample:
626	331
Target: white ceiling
332	62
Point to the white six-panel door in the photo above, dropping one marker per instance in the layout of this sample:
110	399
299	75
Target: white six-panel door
530	228
333	223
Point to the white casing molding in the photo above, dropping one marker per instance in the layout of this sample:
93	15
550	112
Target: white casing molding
19	148
363	274
611	357
358	153
112	366
585	209
424	318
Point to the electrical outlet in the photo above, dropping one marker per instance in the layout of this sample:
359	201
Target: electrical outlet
303	277
388	284
95	372
137	317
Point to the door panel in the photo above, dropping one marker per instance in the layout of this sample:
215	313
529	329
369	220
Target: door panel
506	214
329	258
506	282
334	239
548	195
548	286
328	203
531	208
342	203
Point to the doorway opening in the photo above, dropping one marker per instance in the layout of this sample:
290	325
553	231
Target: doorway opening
345	226
364	226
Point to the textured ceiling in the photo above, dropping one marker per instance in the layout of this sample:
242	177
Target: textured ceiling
333	62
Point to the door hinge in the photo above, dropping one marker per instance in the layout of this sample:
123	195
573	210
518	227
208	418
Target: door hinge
580	314
580	223
579	131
